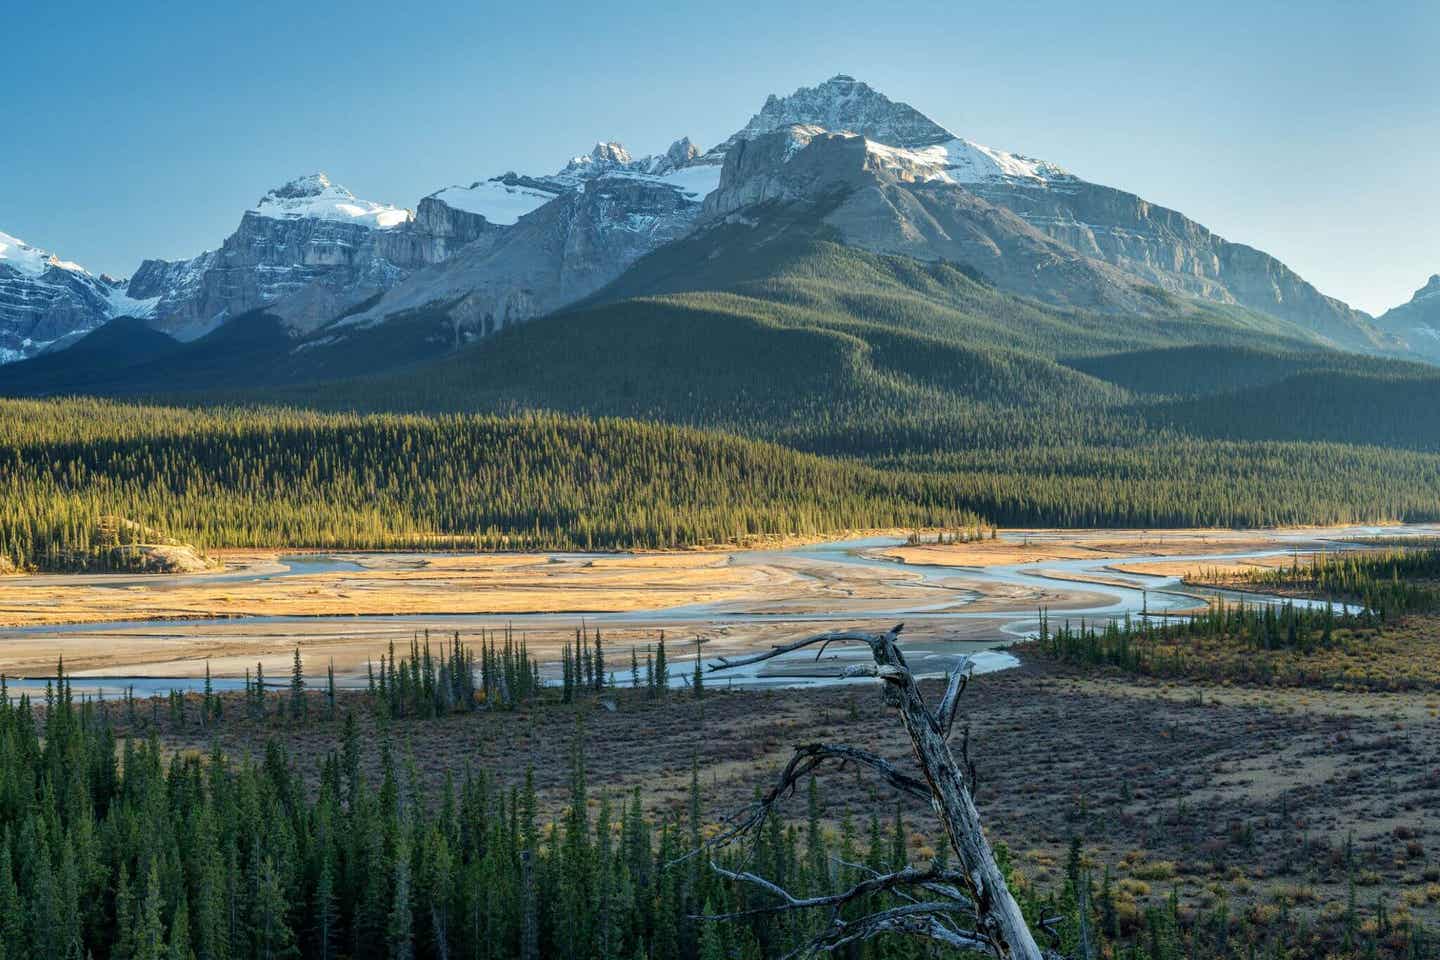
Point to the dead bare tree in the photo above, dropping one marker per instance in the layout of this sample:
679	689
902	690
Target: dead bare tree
970	908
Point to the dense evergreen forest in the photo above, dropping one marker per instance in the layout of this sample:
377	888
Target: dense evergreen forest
279	477
113	847
283	477
947	401
1380	603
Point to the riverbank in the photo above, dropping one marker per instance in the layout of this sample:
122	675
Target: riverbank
348	608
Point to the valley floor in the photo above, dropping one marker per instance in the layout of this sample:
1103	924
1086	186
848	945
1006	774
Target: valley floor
349	608
1220	794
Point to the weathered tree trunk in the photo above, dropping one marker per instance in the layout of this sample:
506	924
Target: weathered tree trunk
1000	926
998	915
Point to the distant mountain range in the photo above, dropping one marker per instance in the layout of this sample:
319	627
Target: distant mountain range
1417	322
323	276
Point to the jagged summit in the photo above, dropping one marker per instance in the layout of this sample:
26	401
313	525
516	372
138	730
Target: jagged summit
31	261
513	246
46	301
308	186
315	196
1417	320
682	151
843	104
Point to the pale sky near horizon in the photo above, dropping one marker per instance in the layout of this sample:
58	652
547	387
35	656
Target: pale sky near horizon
1309	130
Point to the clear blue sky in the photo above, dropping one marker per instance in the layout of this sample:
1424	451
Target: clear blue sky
1308	129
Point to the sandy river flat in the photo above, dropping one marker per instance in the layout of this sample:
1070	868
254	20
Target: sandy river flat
350	607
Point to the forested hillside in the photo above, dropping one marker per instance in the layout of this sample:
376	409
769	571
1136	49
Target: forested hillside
966	399
231	477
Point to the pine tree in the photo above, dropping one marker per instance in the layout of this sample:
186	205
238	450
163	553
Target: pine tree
270	929
207	712
149	937
297	689
400	930
179	948
325	897
257	708
599	663
698	683
662	669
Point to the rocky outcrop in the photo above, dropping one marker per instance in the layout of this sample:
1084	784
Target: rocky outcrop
1163	247
264	261
843	104
561	252
879	207
1141	242
554	238
46	302
308	251
1417	323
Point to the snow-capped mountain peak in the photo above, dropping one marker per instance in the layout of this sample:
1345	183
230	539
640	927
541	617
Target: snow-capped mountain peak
500	200
681	152
316	197
46	301
961	161
843	104
604	156
31	261
1431	289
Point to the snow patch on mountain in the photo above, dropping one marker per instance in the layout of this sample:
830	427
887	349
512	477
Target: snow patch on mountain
505	199
843	104
498	202
315	197
32	261
961	161
695	182
124	305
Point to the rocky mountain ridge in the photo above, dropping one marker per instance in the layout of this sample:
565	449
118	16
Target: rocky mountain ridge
1417	321
47	302
514	246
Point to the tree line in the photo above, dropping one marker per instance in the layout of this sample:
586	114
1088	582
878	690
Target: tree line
112	847
265	477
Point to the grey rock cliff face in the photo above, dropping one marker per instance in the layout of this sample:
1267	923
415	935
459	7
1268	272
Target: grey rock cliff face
1166	248
875	207
565	250
39	311
47	303
305	268
1417	322
264	261
1140	240
844	104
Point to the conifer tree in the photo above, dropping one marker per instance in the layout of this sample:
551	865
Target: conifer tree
697	682
297	689
149	936
599	663
179	948
662	669
270	928
400	930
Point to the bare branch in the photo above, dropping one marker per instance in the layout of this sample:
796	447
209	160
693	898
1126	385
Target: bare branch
804	761
911	919
1000	926
824	639
950	704
877	883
